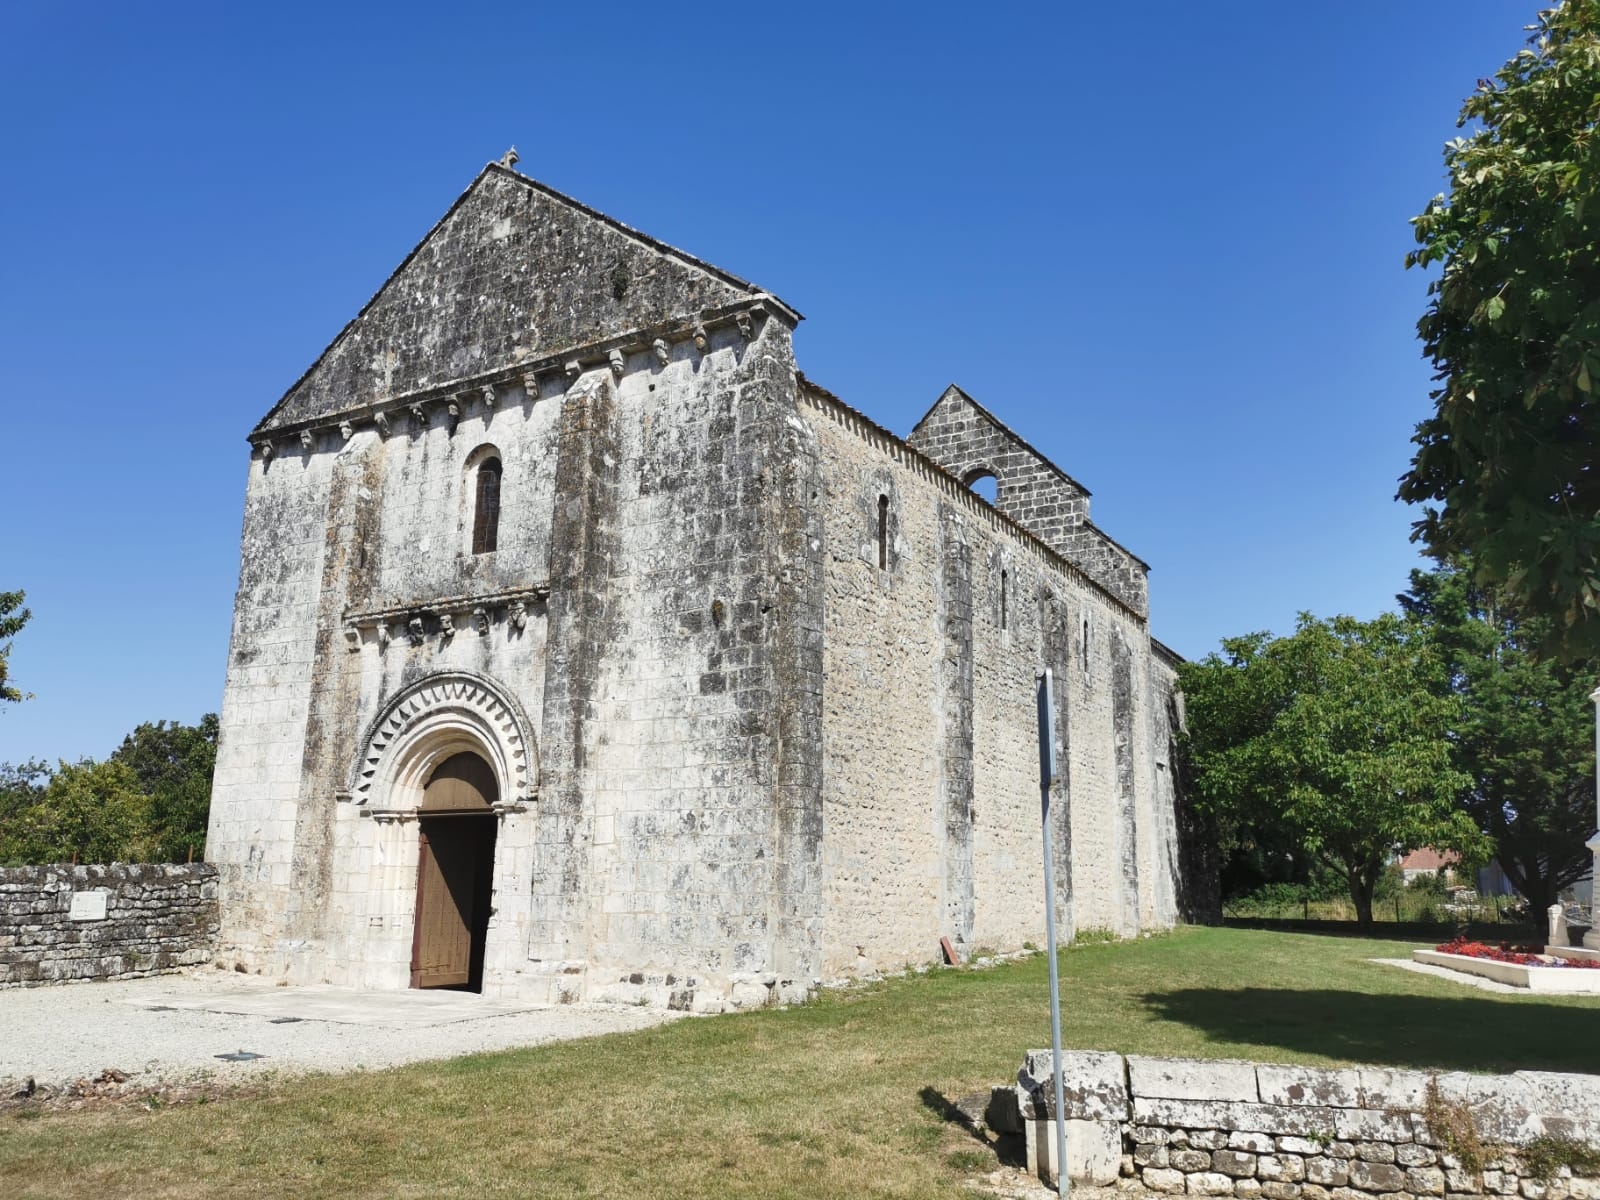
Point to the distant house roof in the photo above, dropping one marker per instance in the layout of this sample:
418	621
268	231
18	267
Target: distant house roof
1429	859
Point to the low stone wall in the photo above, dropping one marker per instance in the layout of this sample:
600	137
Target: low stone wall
1254	1130
61	923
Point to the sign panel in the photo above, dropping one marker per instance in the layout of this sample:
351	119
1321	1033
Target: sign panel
88	906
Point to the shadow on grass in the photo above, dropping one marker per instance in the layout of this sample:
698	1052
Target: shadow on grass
1465	1033
967	1112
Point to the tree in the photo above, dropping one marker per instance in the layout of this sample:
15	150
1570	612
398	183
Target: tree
1335	738
89	811
12	618
174	764
1513	330
1525	737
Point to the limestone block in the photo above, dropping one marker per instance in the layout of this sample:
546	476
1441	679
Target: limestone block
1425	1181
1409	1155
1462	1182
1575	1097
1255	1143
1094	1150
1385	1088
1093	1083
1148	1154
1153	1134
1312	1191
1235	1163
1377	1152
1192	1078
1376	1176
1298	1145
1209	1183
1308	1085
1327	1172
1247	1189
1277	1190
1191	1160
1367	1125
1208	1139
1281	1168
1161	1179
1233	1115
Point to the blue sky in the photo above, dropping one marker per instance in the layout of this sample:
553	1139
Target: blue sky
1164	242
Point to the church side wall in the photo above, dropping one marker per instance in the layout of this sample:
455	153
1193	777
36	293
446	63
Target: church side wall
931	794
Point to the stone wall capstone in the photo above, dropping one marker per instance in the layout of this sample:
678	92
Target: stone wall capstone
61	923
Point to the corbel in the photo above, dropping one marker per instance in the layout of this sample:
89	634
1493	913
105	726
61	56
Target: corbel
352	637
618	361
381	420
383	636
480	620
415	631
346	430
573	368
308	441
452	412
487	394
267	452
519	616
662	351
419	419
701	341
447	627
742	320
530	384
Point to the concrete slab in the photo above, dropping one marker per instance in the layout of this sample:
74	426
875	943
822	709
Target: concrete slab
410	1009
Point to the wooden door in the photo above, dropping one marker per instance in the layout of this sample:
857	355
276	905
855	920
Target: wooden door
441	949
455	866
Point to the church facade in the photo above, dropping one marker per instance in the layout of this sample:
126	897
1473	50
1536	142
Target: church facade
585	649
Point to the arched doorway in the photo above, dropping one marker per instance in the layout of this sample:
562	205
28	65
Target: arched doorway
455	873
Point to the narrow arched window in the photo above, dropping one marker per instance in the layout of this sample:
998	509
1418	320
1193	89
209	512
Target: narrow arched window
883	533
486	513
1002	599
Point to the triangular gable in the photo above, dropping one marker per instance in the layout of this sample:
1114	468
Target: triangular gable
958	427
514	271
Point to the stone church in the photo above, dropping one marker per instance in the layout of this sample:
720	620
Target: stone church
584	649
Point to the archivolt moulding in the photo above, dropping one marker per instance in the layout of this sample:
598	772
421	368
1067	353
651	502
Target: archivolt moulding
441	715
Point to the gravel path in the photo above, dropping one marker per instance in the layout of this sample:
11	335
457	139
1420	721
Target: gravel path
168	1030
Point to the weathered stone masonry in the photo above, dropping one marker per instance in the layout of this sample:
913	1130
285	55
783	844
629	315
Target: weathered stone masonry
1259	1131
131	920
753	676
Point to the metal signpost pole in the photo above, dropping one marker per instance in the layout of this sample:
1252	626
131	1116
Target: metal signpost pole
1047	777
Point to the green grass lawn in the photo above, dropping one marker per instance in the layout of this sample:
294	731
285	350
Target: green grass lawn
838	1098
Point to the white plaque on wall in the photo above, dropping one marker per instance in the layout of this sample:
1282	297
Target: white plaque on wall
88	906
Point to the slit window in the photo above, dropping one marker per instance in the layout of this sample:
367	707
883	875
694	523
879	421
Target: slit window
486	512
883	533
1002	600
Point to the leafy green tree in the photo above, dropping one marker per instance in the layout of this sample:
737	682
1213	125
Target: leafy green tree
174	764
12	618
1335	737
1525	737
89	812
1513	329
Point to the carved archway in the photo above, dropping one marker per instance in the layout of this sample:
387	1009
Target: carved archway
436	717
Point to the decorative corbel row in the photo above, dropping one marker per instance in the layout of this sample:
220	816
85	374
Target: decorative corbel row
438	618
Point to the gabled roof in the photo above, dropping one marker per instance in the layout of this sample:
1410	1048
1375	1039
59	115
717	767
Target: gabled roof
513	271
